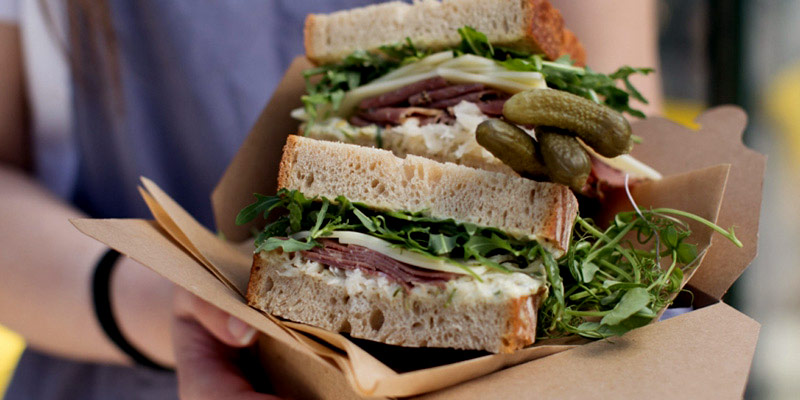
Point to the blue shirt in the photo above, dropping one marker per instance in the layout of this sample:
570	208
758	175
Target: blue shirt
195	76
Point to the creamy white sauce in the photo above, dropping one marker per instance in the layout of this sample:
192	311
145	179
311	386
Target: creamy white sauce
496	286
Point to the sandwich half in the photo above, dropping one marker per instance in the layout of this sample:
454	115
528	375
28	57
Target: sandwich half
407	251
532	26
419	78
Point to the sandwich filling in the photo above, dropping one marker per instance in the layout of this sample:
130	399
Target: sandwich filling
603	286
380	99
409	249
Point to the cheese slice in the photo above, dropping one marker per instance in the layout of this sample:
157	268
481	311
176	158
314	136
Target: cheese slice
406	256
628	164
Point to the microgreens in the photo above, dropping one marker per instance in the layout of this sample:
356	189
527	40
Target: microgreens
619	278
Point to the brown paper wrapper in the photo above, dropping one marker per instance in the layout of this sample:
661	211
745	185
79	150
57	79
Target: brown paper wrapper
716	342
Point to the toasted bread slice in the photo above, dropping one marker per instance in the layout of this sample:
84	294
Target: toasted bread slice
532	25
525	209
371	307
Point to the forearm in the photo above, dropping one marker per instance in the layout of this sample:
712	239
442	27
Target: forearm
45	292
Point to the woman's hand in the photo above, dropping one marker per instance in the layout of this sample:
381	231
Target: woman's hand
206	342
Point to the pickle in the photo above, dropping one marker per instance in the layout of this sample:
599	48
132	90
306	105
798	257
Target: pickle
567	162
512	146
602	128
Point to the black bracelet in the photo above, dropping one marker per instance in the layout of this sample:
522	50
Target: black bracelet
102	308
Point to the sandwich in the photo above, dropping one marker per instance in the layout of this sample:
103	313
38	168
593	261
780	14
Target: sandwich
420	78
408	251
418	253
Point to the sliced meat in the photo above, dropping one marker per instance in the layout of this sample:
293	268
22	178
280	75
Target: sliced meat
428	100
444	118
425	97
607	174
474	97
352	257
355	120
397	115
402	94
603	178
492	108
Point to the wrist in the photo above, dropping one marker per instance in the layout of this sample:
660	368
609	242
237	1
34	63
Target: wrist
141	302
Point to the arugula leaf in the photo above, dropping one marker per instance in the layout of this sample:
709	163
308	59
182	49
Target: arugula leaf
474	42
361	67
263	204
631	302
321	214
365	220
588	270
277	228
327	84
483	245
441	244
295	216
288	245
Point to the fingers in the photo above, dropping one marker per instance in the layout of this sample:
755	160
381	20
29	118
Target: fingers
227	329
205	366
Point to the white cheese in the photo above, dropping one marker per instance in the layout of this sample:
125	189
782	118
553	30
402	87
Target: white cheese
409	257
628	164
467	68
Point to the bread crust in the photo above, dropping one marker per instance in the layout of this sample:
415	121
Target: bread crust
573	48
543	30
523	208
546	28
431	318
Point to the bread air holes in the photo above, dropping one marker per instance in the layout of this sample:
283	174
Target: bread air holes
408	173
377	186
376	319
268	284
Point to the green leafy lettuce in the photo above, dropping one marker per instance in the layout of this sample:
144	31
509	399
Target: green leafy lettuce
460	244
562	74
326	85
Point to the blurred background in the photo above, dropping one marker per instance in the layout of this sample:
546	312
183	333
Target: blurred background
747	52
744	52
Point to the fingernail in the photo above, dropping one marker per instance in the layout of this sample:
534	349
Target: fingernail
242	332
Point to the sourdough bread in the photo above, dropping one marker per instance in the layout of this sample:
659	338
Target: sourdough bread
525	209
371	307
530	25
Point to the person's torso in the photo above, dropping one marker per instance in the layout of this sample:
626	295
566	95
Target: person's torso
194	77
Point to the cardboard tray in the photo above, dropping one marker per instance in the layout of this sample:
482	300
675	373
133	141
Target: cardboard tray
704	352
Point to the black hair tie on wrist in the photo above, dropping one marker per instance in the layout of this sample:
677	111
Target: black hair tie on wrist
101	295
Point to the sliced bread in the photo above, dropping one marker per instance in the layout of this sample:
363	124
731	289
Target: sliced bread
523	208
371	307
530	25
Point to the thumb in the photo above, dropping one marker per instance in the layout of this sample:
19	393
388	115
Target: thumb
206	367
